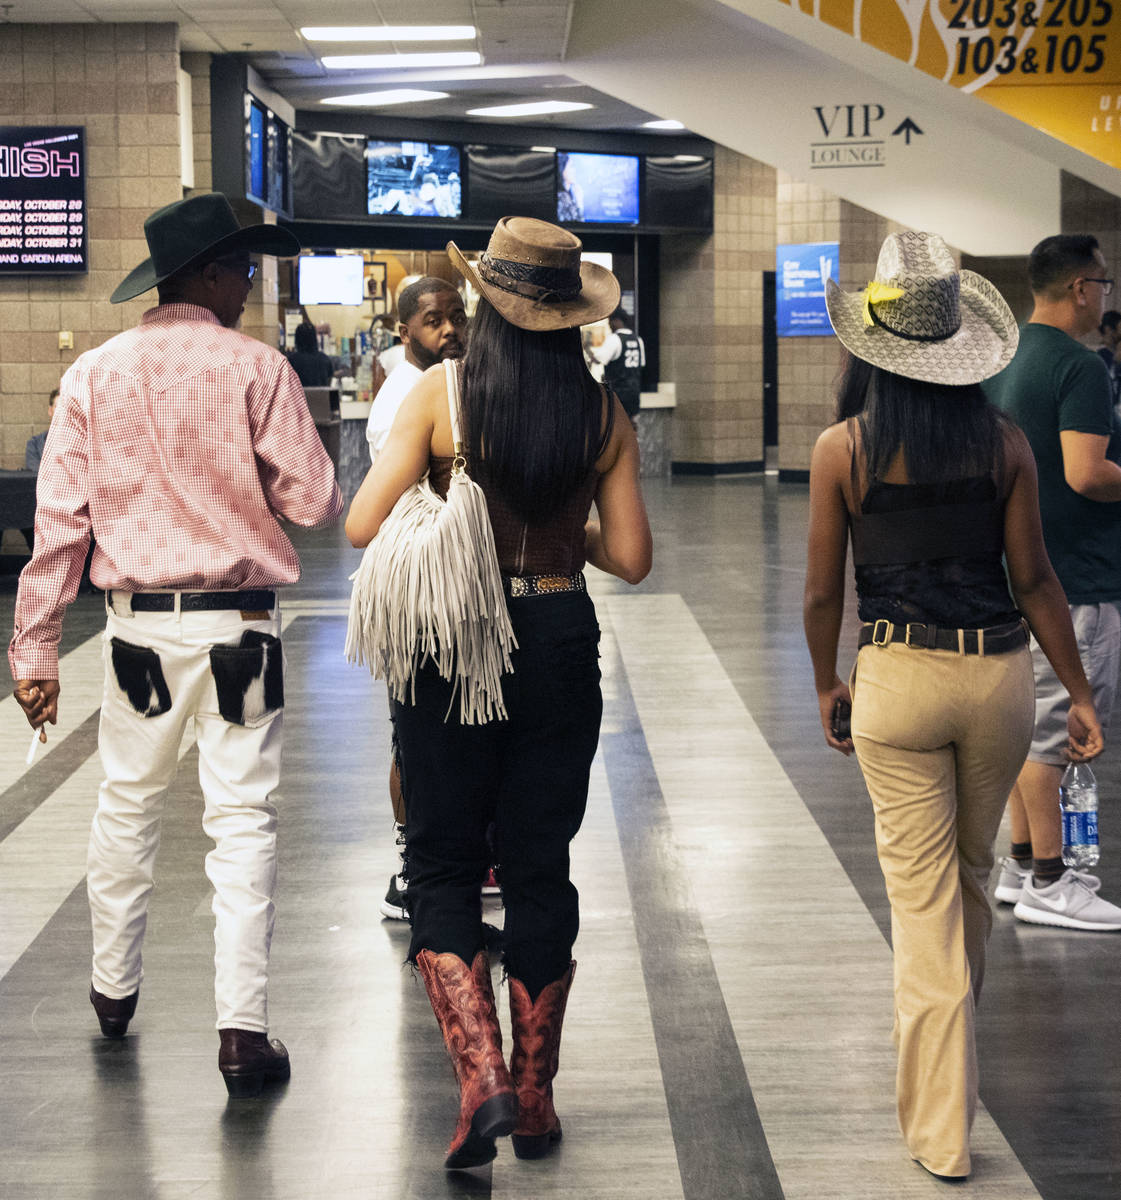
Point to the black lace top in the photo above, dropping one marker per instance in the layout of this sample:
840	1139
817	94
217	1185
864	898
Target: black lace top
931	553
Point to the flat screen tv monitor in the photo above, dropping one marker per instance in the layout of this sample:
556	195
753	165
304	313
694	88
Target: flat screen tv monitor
279	198
677	191
328	177
331	279
509	179
43	225
256	150
413	179
597	188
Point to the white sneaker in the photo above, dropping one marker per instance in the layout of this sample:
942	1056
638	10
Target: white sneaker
1010	882
1071	902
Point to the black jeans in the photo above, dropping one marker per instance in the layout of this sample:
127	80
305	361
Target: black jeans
528	775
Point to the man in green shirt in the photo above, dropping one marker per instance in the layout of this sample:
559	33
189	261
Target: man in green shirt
1058	392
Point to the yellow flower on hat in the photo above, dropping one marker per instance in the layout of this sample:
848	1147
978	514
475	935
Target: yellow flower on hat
877	293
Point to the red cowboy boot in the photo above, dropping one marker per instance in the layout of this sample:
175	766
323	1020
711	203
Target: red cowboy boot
534	1061
463	1002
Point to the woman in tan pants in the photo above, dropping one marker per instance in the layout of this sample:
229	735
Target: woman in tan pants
936	489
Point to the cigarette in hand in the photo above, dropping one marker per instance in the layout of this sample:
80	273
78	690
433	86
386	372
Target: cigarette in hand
34	745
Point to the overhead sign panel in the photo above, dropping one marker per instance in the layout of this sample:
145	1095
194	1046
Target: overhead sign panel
1054	64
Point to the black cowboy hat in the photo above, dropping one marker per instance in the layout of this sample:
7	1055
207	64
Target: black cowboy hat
182	232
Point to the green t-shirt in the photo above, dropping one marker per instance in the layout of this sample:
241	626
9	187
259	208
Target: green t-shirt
1055	383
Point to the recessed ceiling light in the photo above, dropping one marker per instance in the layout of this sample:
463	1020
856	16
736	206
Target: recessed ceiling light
544	149
392	96
389	33
662	125
688	158
388	62
536	108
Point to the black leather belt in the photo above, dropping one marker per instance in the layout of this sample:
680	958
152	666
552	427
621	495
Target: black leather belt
920	636
254	600
517	586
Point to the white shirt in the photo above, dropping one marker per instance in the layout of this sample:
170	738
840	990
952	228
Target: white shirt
612	346
398	383
392	358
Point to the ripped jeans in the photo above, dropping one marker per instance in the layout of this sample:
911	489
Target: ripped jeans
528	775
227	673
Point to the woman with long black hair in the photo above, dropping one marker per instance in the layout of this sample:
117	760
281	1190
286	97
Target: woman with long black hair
935	487
545	442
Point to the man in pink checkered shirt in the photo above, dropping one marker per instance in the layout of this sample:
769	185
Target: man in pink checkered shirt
178	444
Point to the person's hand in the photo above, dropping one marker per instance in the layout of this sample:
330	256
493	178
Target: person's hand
839	690
1085	732
39	700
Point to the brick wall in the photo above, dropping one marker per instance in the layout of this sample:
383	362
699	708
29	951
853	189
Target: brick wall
119	81
711	328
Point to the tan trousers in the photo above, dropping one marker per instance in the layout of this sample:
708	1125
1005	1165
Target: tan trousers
940	738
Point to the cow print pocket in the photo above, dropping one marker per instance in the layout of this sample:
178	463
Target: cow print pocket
140	677
249	678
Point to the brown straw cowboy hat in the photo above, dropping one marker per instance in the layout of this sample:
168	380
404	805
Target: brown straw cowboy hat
923	318
532	274
184	231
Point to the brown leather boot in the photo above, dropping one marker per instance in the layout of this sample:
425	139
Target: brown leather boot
534	1062
248	1060
463	1002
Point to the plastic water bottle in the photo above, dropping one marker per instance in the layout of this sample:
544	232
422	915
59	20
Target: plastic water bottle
1078	798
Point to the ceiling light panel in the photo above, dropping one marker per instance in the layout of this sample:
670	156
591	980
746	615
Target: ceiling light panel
389	33
536	108
400	62
390	96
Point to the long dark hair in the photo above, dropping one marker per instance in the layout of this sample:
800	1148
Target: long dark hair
533	412
944	431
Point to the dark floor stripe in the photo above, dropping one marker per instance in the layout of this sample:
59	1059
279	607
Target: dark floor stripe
721	1147
36	784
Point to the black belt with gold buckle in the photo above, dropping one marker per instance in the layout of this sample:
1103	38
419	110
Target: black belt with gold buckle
517	586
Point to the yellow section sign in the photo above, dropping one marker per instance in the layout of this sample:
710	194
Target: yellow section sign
1055	64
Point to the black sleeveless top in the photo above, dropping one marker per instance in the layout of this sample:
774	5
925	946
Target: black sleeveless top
931	552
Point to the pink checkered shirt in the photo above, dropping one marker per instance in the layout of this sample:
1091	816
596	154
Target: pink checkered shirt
177	444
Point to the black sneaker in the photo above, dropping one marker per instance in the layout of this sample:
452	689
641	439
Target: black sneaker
393	906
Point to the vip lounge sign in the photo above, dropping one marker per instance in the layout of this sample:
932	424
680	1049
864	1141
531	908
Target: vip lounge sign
858	136
1054	64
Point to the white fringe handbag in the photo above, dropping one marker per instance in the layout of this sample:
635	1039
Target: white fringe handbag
429	587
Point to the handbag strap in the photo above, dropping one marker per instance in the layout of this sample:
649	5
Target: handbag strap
451	375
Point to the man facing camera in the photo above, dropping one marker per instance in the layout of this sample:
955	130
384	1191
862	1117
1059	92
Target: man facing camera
432	326
178	444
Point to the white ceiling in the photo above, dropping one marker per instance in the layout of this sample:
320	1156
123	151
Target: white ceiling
523	44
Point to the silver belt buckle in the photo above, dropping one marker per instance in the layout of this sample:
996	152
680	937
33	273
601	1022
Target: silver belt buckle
518	586
907	635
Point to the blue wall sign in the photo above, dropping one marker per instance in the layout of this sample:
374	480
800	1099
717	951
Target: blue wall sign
800	275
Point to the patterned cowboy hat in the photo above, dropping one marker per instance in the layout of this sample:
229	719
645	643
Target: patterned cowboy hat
922	318
184	231
531	272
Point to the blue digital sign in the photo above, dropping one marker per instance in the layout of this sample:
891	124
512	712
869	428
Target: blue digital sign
800	274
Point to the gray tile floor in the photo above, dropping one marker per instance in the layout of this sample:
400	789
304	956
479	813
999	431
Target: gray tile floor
728	1032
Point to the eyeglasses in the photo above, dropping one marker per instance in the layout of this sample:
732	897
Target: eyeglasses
241	265
1107	284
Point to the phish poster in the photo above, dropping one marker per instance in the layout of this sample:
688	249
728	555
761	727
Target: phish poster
43	226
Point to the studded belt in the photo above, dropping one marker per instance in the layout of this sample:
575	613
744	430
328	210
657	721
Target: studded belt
517	586
998	639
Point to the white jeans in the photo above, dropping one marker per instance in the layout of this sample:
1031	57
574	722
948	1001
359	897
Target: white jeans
239	768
